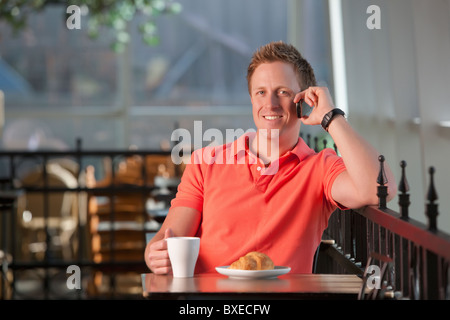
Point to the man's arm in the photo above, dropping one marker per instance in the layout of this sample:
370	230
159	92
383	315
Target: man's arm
180	221
357	186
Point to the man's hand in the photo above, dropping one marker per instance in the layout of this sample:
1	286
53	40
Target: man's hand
180	221
320	99
158	256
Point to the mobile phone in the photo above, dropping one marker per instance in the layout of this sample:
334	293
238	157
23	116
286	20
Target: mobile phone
303	109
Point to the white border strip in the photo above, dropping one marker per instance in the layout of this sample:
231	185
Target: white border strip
338	54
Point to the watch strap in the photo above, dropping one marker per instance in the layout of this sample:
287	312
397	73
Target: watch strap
328	117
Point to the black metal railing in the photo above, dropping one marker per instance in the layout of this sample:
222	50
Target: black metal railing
416	255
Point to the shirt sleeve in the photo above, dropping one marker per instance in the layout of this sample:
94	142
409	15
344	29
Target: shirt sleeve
190	189
334	165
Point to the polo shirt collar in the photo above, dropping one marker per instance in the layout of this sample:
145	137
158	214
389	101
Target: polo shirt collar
301	150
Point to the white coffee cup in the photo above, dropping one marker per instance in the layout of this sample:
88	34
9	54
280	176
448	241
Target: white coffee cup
183	254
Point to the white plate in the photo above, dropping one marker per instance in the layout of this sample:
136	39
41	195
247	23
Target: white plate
253	274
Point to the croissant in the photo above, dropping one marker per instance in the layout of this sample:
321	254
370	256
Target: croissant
253	261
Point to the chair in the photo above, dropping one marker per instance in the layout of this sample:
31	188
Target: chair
323	245
316	257
44	213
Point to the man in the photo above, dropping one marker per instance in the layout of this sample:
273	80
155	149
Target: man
276	194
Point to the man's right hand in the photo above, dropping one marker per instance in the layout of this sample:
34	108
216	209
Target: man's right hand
158	256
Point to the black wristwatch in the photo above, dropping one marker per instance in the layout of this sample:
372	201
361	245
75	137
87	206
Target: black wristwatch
329	117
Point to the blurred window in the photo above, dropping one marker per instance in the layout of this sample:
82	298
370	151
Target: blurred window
71	86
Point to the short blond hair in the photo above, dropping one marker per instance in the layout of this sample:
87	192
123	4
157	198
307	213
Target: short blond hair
280	51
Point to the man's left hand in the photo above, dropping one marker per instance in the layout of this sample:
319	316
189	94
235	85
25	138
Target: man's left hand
320	100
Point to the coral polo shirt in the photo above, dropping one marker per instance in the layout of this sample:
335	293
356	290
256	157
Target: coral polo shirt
246	208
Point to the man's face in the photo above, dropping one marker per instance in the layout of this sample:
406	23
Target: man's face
273	87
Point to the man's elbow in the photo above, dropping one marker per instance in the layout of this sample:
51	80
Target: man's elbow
371	198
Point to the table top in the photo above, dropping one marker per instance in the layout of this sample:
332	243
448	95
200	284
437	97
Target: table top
308	286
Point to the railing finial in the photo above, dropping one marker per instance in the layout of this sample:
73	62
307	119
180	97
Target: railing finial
431	210
316	144
403	197
382	189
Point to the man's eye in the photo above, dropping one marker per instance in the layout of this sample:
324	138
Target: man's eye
282	92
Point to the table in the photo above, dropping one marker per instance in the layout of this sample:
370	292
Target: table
217	286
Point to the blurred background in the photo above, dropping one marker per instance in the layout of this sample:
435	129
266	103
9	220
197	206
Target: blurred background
161	65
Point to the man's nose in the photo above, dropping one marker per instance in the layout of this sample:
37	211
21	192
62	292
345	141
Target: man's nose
273	100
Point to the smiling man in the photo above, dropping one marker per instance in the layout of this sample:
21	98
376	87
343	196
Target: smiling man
277	196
